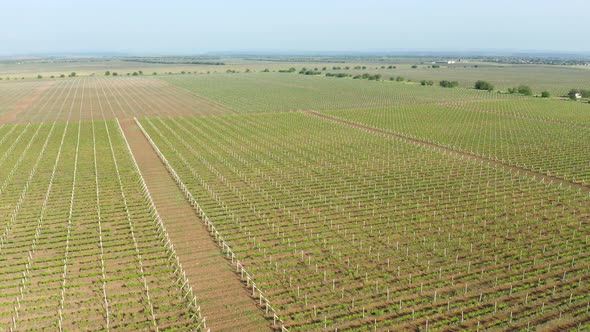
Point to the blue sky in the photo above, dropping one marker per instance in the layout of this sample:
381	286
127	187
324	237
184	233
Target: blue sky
188	27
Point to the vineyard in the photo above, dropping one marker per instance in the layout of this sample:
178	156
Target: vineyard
271	92
542	144
103	98
82	247
345	229
278	201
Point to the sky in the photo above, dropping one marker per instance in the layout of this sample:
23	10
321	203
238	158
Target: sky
164	27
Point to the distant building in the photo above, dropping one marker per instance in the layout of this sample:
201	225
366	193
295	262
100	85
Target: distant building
578	95
447	62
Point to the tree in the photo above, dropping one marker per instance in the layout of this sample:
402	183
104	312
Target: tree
414	66
115	73
399	79
39	77
140	72
266	70
525	90
448	84
62	75
573	94
134	73
72	74
545	94
154	73
107	73
483	85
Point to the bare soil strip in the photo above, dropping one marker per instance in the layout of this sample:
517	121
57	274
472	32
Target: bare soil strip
10	116
545	177
224	300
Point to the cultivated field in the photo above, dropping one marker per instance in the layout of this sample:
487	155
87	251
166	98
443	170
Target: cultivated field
100	98
347	229
81	246
278	201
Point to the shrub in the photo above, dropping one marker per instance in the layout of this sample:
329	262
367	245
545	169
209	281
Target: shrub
448	84
484	85
107	73
525	90
414	66
399	79
545	94
583	93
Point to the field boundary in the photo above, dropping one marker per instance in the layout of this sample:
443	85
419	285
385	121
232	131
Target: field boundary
182	88
163	233
519	169
217	237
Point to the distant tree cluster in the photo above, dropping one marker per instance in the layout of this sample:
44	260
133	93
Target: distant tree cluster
290	70
425	82
522	89
448	84
573	93
340	75
484	85
367	76
305	71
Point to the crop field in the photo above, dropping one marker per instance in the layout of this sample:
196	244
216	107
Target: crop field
100	98
531	141
272	92
555	79
81	248
278	201
345	229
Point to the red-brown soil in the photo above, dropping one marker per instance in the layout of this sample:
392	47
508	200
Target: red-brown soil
11	115
224	300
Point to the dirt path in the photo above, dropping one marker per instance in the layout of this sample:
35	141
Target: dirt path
225	302
22	104
583	187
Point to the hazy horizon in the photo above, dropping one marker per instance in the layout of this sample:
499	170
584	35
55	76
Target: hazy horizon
190	27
